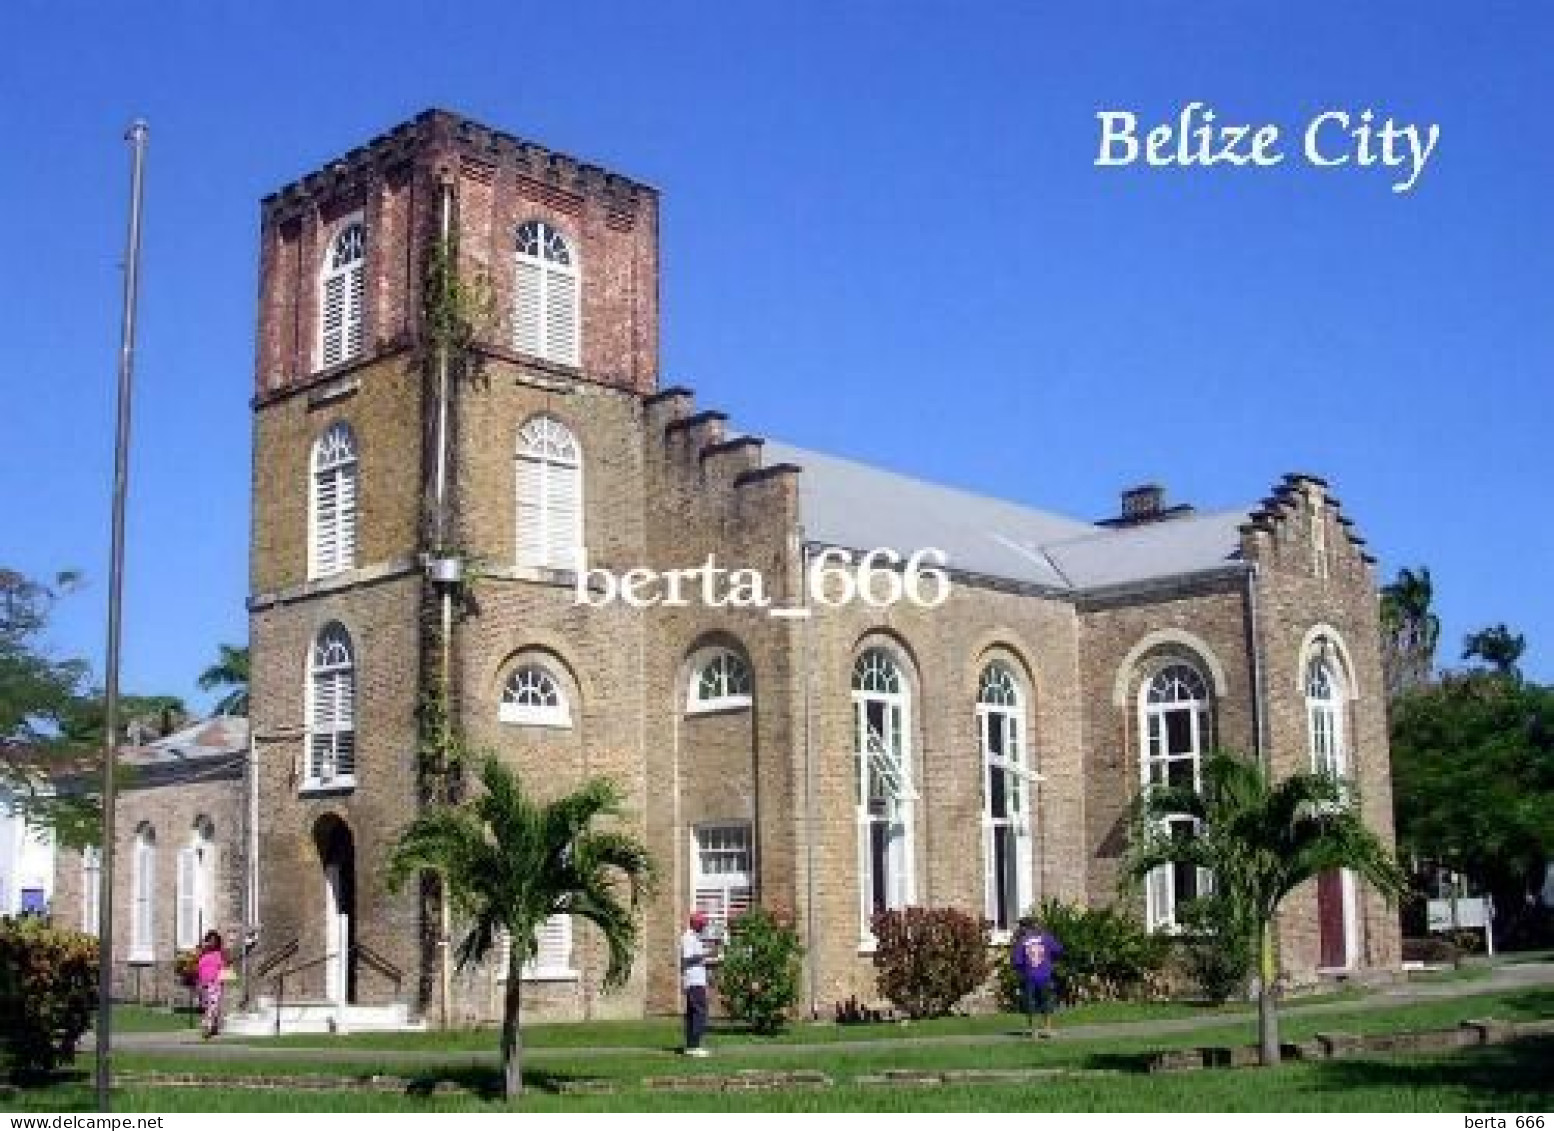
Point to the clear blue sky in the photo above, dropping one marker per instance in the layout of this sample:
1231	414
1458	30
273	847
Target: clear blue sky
883	236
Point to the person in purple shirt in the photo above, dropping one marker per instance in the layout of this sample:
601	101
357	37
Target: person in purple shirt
1032	953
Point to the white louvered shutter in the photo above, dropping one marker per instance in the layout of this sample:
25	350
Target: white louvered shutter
345	518
188	913
553	948
563	515
332	340
353	320
531	511
326	524
1159	896
528	305
342	296
561	316
345	724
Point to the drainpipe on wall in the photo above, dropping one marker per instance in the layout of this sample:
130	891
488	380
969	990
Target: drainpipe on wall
445	642
807	659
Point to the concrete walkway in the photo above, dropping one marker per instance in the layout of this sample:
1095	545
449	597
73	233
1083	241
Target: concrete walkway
1502	978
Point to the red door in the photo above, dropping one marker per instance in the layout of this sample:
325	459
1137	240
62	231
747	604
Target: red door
1330	919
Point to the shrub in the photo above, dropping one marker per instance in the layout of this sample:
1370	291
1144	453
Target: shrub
928	958
1107	956
48	991
758	978
1218	948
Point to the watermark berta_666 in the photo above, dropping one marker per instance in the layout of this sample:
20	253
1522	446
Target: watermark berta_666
836	577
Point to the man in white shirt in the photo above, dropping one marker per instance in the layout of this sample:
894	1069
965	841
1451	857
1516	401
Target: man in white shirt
693	978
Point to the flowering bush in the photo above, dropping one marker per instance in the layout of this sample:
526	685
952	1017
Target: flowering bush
926	959
758	978
48	990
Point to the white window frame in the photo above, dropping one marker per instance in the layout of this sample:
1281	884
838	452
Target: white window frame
547	294
725	674
885	799
91	889
1175	688
1003	737
526	679
343	281
553	957
1325	728
331	749
142	948
333	476
722	894
548	467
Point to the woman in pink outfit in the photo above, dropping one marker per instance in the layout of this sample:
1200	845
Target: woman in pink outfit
207	977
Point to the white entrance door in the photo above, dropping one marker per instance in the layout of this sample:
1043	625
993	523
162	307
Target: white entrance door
337	937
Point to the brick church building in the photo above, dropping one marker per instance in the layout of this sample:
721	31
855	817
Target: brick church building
982	753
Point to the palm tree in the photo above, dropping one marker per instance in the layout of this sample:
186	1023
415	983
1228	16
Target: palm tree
509	862
1498	647
1262	840
231	671
1409	631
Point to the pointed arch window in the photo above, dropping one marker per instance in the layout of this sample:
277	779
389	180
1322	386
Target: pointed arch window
332	510
721	682
1008	793
547	319
1177	728
331	711
534	697
885	795
1325	714
550	495
341	294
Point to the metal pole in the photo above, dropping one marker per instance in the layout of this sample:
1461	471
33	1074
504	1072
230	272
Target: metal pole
136	136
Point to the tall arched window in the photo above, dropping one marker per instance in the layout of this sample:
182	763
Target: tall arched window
1325	714
720	681
332	496
143	896
331	711
1177	725
550	495
547	321
885	797
196	911
1008	790
340	299
534	697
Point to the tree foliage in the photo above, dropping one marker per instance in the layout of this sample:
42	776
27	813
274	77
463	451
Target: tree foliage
1498	647
48	990
229	674
1410	631
509	862
1473	780
1261	839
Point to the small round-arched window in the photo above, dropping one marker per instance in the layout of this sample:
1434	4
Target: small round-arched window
534	697
721	681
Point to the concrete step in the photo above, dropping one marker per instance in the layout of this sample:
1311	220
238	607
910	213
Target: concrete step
267	1018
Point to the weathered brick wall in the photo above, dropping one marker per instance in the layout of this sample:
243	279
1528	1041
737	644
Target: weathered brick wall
171	810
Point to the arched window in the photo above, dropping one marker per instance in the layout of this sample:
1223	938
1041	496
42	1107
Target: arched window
196	911
91	888
1177	726
331	711
1008	789
332	510
720	682
1325	714
340	295
534	697
547	321
143	896
885	797
550	495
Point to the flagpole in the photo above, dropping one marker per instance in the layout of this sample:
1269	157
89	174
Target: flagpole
136	136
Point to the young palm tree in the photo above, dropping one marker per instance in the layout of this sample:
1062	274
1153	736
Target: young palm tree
1262	840
509	862
229	671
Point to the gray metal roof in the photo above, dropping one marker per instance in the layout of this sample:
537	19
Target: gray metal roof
220	737
850	504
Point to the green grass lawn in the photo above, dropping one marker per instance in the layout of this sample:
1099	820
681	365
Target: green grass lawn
1514	1080
150	1019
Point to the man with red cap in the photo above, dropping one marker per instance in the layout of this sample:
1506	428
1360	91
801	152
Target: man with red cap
693	977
